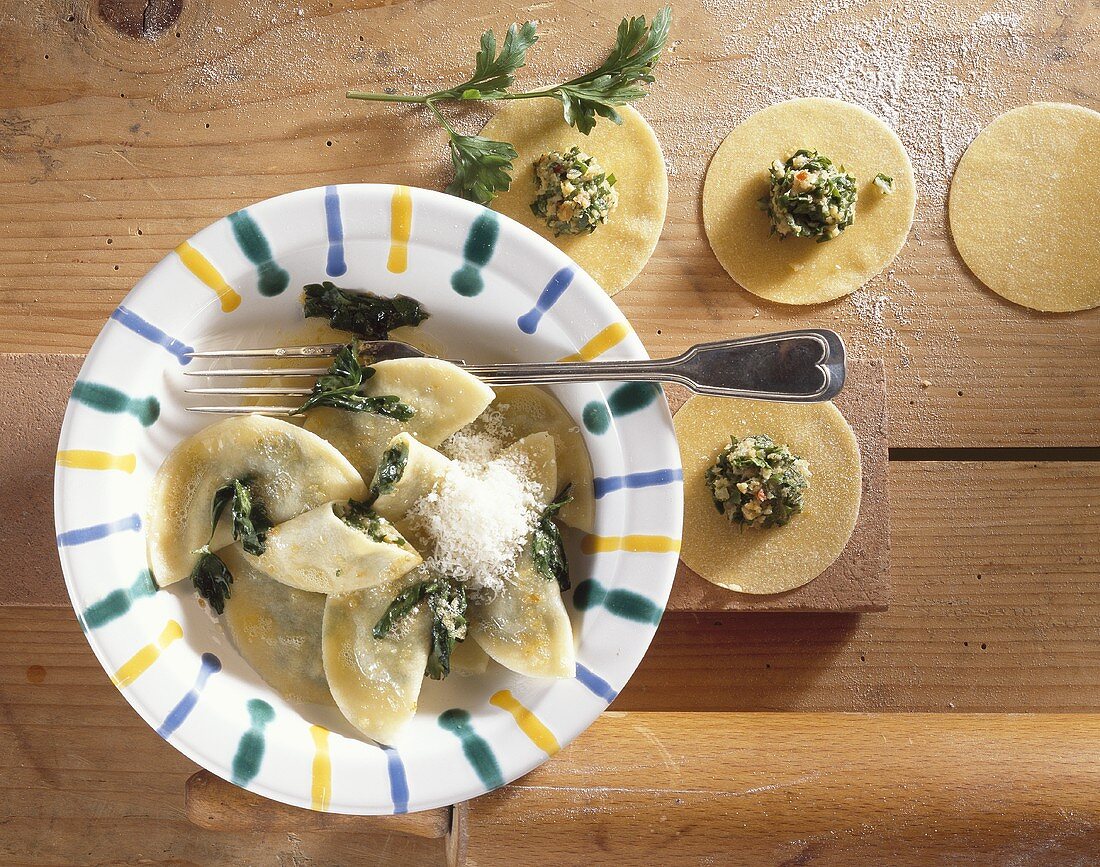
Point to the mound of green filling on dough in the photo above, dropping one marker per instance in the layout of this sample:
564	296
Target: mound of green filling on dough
756	482
810	197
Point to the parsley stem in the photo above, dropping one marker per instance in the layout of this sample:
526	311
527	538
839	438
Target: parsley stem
531	94
439	116
386	97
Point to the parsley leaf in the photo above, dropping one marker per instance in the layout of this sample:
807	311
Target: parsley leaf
364	314
618	80
482	167
493	73
547	548
341	388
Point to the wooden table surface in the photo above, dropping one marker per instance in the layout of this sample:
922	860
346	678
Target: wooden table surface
127	125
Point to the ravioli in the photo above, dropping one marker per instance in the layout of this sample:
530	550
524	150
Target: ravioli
798	270
376	681
443	396
289	470
526	627
527	409
424	466
323	553
277	630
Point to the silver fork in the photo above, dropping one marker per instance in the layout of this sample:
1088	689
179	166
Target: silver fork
802	366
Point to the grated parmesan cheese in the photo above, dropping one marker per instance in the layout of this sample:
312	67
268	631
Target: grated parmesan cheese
481	440
477	518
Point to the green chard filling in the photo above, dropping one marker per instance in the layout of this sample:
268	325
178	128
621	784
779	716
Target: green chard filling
547	547
362	517
885	183
573	193
390	470
342	388
756	482
210	576
810	197
447	602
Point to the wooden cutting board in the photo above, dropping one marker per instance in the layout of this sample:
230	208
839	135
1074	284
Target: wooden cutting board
859	580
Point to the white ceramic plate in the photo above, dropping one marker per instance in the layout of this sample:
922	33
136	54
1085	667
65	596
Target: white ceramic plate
496	292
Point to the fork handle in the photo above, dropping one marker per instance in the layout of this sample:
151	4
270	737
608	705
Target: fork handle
804	366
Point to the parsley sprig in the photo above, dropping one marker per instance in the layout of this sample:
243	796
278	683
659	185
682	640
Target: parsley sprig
482	165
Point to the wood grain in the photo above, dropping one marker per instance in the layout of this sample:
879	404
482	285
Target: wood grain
34	390
684	788
117	148
804	789
217	805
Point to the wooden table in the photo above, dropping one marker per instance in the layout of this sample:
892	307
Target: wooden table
125	126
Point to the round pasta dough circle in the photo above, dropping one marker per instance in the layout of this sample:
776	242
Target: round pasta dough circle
1018	207
800	270
615	253
779	558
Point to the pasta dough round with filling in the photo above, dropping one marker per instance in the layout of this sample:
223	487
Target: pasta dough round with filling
289	470
615	253
1018	209
277	629
800	270
775	559
443	396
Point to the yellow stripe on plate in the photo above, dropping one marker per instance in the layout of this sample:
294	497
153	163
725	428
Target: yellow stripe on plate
635	544
529	724
89	459
611	336
321	789
401	214
139	663
204	269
